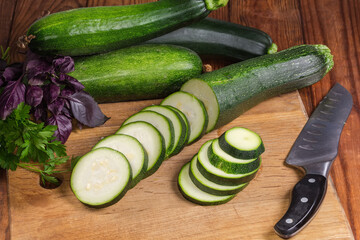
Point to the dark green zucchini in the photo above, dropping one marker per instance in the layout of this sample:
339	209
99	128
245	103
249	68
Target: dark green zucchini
216	37
230	91
137	73
86	31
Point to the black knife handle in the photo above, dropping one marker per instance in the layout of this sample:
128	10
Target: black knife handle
306	198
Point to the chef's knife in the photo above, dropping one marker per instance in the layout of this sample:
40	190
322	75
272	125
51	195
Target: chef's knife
314	150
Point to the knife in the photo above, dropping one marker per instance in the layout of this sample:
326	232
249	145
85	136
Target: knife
315	150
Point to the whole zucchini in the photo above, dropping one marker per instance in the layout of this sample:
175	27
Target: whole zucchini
216	37
230	91
86	31
140	72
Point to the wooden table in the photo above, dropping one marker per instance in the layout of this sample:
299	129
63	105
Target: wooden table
291	22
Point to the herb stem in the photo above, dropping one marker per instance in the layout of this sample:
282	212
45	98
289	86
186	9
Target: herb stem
26	166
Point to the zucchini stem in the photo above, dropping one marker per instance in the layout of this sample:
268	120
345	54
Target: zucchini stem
212	5
272	49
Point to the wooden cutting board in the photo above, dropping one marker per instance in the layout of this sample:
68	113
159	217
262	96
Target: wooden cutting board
155	209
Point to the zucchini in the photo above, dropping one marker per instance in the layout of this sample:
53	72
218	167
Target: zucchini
186	122
228	163
132	150
194	111
191	192
230	91
215	37
179	125
218	176
208	186
241	143
101	177
152	141
91	30
129	73
160	122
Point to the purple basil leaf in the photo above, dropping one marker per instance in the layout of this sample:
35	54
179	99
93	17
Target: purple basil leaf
38	80
63	64
66	92
34	96
72	83
57	106
66	111
12	72
12	95
38	66
64	125
86	110
40	113
1	82
51	92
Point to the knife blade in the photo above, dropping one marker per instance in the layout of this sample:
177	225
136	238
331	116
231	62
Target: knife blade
314	150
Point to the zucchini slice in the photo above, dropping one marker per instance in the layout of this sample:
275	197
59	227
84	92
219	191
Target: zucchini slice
194	111
185	121
205	94
192	193
160	122
180	128
101	177
210	187
217	175
241	143
152	141
132	150
228	163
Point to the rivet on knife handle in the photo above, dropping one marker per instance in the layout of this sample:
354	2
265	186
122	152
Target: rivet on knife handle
306	199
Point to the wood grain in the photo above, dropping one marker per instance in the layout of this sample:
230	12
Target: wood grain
336	24
155	209
6	19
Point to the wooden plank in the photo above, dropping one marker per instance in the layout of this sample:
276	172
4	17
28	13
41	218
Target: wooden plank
337	24
155	209
6	17
28	11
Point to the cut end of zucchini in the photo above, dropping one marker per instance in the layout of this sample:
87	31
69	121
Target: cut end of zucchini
212	5
202	91
101	177
328	56
272	49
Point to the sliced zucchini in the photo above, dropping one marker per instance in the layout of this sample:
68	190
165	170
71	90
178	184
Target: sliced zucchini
152	141
133	151
228	163
185	121
241	143
192	193
160	122
204	93
194	111
180	129
217	175
210	187
101	177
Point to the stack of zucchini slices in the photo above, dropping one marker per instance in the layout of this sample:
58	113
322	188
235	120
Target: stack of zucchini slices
222	167
141	144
